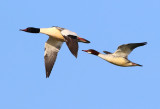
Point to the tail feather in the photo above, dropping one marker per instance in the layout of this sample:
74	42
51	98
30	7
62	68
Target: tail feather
83	40
134	64
139	65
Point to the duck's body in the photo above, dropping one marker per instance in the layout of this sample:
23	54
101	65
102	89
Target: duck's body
120	61
57	36
120	56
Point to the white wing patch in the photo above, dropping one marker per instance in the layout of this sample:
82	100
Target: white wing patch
66	32
122	53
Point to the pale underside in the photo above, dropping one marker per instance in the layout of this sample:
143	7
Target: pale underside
120	61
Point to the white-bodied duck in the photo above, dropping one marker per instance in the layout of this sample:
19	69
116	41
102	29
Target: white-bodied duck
120	56
57	36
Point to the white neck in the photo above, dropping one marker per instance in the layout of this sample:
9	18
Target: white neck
47	31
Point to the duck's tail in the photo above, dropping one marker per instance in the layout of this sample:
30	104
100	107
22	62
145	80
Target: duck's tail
139	65
134	64
83	40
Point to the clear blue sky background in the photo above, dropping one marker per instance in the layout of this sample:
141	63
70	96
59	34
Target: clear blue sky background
87	82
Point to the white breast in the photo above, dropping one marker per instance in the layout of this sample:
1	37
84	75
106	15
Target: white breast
52	32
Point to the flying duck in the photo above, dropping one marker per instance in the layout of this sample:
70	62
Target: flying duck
57	36
120	56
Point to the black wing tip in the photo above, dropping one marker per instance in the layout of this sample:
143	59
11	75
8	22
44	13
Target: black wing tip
144	43
47	74
139	65
76	55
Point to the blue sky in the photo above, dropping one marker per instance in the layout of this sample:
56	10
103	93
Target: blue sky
87	82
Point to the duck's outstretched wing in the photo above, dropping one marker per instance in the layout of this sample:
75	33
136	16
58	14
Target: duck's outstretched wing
125	49
52	47
71	41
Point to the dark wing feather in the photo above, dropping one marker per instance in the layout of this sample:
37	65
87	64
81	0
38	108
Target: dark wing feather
125	49
71	41
72	44
52	47
107	52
